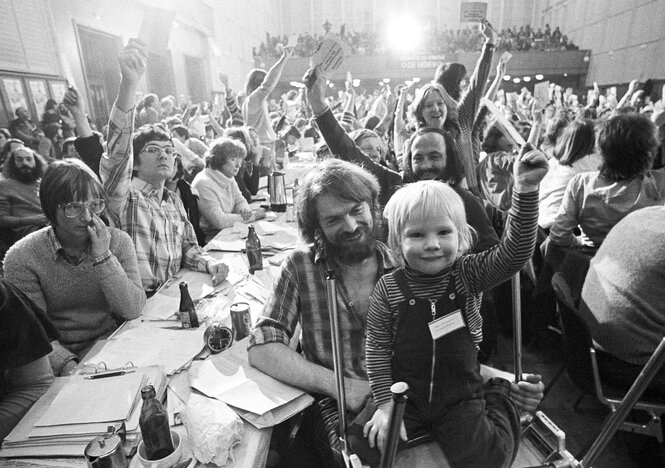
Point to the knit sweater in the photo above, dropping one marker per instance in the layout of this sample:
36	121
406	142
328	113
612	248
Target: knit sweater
220	201
624	290
84	301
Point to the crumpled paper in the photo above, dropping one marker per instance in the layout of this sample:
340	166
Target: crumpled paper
213	429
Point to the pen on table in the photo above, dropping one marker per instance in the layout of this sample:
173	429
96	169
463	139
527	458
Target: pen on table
103	375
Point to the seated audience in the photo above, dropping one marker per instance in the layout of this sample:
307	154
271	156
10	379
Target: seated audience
25	372
134	171
20	210
596	201
623	297
220	200
190	201
25	129
84	274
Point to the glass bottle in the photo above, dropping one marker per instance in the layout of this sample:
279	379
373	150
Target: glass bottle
187	310
253	246
154	424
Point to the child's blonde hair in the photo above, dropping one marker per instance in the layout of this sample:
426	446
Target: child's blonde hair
422	200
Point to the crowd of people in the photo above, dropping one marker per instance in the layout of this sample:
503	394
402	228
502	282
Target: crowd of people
421	200
445	41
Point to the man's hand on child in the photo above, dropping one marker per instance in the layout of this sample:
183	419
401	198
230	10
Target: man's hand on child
376	429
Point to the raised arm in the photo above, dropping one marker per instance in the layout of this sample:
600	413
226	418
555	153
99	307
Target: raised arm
275	73
470	102
340	144
117	164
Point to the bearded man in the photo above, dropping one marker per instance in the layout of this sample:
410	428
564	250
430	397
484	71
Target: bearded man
20	209
337	203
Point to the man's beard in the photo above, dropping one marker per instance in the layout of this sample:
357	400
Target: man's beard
26	175
346	250
430	174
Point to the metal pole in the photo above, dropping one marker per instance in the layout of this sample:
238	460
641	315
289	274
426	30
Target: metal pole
615	420
331	287
398	390
517	326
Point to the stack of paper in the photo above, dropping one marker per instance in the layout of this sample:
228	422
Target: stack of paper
76	409
172	349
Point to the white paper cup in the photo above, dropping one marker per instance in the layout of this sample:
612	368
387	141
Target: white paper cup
165	462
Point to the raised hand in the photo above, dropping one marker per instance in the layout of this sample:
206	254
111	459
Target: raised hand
488	31
73	101
132	60
316	89
529	169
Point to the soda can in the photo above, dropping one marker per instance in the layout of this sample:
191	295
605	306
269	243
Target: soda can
241	320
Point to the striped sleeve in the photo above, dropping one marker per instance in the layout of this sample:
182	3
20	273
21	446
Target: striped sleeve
379	344
487	269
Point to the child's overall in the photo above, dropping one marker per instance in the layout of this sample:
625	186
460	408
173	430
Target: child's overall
474	428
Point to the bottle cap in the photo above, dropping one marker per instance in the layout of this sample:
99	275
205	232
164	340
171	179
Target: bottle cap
148	392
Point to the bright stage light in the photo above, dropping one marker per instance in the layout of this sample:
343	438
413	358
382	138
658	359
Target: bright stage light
527	79
539	77
403	34
356	82
516	80
416	79
506	77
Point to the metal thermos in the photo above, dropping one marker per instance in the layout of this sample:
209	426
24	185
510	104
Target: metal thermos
106	450
277	192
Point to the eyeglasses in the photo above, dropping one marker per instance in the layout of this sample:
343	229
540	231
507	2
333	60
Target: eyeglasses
154	150
76	209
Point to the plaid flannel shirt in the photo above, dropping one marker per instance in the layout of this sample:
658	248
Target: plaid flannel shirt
299	296
155	220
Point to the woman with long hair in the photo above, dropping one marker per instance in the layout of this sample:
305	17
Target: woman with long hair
573	154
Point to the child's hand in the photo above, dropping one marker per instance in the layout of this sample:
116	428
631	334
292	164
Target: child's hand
376	429
528	170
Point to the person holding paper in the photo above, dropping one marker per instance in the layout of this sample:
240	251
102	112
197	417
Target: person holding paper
220	200
336	216
25	372
255	107
436	157
134	171
82	273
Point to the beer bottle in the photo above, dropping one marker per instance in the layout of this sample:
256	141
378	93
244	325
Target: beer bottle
253	246
187	310
154	424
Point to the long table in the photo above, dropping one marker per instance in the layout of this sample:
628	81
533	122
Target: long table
253	450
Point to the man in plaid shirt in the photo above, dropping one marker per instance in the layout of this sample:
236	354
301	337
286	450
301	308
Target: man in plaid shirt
134	171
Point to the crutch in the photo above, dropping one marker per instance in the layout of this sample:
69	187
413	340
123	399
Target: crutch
398	390
350	460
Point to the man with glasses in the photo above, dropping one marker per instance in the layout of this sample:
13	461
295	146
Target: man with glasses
134	172
81	272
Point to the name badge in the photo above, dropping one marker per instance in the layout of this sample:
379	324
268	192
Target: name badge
446	324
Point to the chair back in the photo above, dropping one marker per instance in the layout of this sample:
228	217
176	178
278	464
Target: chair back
576	336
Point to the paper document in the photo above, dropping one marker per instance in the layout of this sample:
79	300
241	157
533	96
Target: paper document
229	378
93	401
329	55
148	346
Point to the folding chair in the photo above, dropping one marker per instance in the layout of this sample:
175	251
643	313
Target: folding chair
581	358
